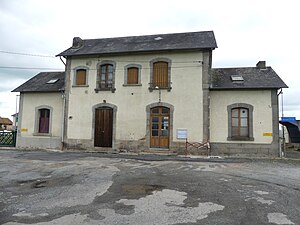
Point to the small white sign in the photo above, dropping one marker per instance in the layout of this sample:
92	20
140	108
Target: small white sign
182	133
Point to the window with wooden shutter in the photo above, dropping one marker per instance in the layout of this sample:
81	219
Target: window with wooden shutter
133	75
81	77
160	75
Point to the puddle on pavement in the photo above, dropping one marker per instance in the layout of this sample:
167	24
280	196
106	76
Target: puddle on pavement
42	183
141	188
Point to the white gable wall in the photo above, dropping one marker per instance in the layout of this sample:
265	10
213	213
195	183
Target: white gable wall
27	135
262	114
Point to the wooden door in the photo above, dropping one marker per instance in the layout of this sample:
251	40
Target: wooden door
103	127
159	127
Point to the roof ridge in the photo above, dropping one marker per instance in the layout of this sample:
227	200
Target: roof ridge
241	67
148	35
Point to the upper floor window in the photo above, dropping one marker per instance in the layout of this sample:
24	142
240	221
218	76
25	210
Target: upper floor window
80	77
240	122
106	77
132	75
160	75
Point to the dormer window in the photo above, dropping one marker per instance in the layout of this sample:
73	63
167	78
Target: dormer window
237	78
52	81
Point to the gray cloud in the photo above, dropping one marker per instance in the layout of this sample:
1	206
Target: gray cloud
246	32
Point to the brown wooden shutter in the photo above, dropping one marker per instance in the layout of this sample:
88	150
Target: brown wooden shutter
132	75
81	77
160	74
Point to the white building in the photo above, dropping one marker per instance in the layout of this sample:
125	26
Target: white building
150	92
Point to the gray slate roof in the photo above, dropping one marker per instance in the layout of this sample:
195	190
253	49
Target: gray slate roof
254	78
148	43
39	83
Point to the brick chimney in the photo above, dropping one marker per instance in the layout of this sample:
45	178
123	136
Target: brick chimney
261	65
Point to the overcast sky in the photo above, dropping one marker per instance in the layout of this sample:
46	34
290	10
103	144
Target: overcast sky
246	31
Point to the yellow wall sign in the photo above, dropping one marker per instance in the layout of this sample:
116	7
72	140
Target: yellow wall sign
268	134
24	130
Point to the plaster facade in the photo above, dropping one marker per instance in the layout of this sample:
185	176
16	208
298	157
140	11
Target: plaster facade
264	126
28	137
186	95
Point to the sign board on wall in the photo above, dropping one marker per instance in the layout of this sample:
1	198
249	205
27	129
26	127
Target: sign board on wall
182	133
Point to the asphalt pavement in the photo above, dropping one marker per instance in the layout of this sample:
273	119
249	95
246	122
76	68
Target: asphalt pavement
90	188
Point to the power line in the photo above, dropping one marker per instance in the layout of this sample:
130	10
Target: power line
44	68
27	68
27	54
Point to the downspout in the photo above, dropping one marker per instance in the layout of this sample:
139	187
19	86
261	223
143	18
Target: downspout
63	95
63	119
282	146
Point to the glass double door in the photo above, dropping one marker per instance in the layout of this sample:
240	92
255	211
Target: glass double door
159	127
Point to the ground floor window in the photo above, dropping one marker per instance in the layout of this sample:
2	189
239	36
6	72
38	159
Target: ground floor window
43	120
240	122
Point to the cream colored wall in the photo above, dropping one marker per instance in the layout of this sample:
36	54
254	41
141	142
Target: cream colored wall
185	96
262	113
32	100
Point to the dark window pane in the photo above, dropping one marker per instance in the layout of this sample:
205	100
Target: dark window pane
155	133
155	110
154	119
44	117
155	126
165	110
165	133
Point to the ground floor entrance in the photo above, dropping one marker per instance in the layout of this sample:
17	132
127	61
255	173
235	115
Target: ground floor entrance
103	127
159	127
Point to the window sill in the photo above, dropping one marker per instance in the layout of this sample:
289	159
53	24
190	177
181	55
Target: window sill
105	89
132	85
240	139
80	85
42	134
161	88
